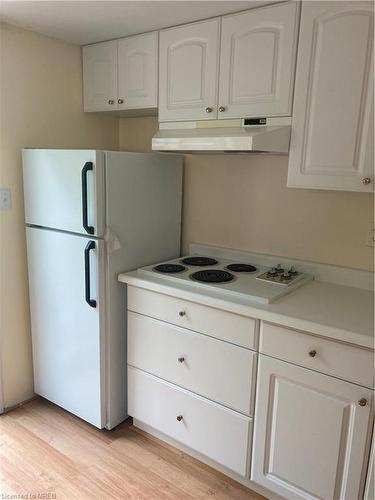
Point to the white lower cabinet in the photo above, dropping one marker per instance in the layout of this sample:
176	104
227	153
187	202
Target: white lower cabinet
370	480
217	432
311	433
192	372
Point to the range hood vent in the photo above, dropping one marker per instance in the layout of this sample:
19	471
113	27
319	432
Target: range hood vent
250	135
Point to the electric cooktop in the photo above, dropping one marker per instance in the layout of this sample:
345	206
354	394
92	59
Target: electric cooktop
256	282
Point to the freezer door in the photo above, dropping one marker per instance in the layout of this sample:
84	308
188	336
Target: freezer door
63	189
67	312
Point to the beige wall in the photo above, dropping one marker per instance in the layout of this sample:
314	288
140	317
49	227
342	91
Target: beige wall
41	106
237	201
242	202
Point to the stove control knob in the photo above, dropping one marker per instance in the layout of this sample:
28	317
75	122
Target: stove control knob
286	275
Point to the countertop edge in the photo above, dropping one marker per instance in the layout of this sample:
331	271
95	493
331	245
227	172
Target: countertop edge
251	310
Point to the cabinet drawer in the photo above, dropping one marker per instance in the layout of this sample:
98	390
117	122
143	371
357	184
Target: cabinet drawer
217	370
344	361
206	427
223	325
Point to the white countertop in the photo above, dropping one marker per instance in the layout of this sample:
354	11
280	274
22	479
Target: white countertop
336	311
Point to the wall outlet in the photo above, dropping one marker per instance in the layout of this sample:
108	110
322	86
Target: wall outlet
370	242
5	199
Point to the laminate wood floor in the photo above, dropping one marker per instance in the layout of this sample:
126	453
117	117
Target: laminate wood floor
47	452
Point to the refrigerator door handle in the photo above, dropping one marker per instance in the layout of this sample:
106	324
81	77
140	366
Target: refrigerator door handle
90	246
88	166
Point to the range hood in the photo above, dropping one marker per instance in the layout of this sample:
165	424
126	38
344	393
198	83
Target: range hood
257	135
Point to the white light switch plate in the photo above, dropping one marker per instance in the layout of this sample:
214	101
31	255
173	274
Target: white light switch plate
5	199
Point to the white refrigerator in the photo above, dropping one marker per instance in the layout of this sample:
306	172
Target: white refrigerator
89	216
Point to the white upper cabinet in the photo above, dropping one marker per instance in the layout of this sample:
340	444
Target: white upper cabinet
121	74
188	71
100	76
332	132
258	50
137	71
311	432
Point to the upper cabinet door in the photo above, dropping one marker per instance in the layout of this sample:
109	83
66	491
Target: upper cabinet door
258	50
100	76
137	71
189	61
332	131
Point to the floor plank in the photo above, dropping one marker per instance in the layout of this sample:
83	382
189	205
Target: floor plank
46	450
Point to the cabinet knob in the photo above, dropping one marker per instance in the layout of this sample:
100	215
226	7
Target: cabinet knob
179	418
366	180
362	402
222	109
111	101
120	101
208	109
312	353
182	314
181	360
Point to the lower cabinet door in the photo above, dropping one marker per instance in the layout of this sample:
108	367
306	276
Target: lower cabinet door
310	433
206	427
370	481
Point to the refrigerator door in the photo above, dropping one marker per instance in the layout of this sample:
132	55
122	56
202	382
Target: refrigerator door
66	272
63	189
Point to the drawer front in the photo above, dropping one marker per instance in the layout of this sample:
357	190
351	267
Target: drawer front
206	427
217	370
344	361
223	325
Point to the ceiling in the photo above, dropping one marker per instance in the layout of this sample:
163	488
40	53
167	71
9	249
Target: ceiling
83	22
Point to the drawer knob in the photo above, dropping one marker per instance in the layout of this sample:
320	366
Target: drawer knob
222	109
121	101
181	360
179	418
209	109
182	314
362	402
366	180
312	353
111	101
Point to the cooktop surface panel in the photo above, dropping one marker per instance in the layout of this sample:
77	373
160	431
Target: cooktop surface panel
258	283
